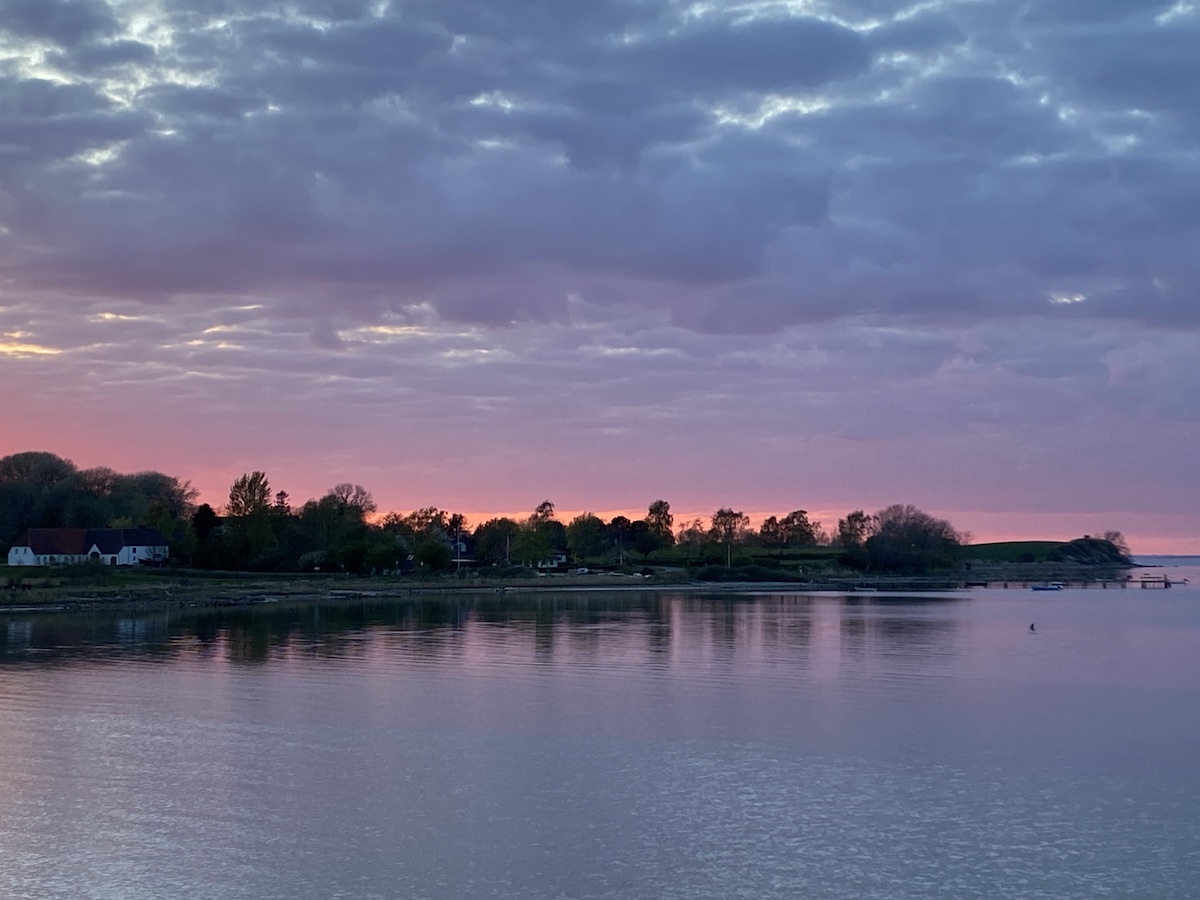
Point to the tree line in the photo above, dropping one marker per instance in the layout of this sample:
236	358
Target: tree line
260	529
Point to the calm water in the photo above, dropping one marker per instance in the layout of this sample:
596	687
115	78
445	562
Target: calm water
593	745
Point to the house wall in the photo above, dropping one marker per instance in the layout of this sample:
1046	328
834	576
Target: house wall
135	556
24	556
128	556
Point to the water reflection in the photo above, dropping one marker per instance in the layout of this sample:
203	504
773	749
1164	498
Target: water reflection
711	632
651	745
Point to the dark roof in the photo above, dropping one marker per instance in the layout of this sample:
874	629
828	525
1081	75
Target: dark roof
107	540
78	541
111	540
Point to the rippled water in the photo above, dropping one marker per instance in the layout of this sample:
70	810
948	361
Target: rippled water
595	745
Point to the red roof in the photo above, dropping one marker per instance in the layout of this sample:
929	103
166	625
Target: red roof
79	541
56	541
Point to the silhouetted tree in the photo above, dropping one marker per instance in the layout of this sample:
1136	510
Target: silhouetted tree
904	537
691	537
645	539
493	540
354	497
433	554
249	493
796	530
853	531
618	536
727	527
770	534
35	467
585	535
1118	540
660	520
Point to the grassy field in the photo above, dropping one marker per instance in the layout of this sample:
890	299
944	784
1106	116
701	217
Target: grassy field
1010	551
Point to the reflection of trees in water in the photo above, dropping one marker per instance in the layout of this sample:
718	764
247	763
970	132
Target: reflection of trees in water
897	627
63	636
736	631
722	629
425	626
788	621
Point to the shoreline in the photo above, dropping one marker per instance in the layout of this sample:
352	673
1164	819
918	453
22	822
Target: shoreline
200	590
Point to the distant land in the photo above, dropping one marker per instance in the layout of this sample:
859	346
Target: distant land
261	530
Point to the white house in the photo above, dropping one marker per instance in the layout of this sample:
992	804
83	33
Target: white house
71	546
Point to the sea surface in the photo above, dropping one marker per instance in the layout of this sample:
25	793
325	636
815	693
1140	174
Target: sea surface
609	745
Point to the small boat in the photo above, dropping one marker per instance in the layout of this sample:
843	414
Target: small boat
1052	586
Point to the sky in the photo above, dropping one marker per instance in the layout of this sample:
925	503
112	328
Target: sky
481	253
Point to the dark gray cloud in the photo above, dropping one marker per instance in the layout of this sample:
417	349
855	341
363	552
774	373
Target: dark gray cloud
772	55
739	171
69	23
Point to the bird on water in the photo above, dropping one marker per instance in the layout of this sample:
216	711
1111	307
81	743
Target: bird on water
1031	628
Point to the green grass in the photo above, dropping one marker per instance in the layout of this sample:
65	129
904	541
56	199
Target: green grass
1010	551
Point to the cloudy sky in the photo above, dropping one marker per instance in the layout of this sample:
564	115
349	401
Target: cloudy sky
820	254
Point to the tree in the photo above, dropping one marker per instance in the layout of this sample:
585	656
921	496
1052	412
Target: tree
796	531
770	533
585	535
551	533
354	497
645	539
249	493
852	531
35	467
660	520
1089	550
907	538
543	513
532	545
159	500
41	490
728	526
433	554
426	519
455	526
692	536
333	527
1118	540
99	482
493	540
618	536
205	521
820	538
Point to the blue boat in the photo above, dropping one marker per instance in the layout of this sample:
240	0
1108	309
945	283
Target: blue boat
1052	586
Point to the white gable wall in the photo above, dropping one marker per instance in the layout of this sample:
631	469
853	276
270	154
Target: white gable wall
24	556
128	556
133	555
